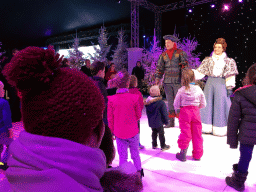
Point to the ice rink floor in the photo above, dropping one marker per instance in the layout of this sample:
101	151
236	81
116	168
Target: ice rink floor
164	173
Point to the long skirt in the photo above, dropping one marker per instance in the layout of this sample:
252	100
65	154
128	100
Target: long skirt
217	103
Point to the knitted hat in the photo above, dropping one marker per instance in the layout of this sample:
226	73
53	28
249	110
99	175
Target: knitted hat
57	102
154	91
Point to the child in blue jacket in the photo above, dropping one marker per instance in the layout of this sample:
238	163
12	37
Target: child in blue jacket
157	117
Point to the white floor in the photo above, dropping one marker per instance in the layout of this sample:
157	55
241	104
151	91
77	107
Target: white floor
164	173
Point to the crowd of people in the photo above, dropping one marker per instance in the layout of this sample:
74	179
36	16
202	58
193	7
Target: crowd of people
71	118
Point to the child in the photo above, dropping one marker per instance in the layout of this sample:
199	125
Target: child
134	90
5	124
189	100
157	116
242	127
124	112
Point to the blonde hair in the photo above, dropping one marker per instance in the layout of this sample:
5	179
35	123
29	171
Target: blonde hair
122	79
188	76
154	91
133	81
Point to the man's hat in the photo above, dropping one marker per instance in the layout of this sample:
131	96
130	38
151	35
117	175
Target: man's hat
171	37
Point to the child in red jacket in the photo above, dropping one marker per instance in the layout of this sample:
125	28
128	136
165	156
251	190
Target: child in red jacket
124	113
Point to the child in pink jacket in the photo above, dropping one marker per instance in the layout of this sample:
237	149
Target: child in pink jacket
189	100
124	111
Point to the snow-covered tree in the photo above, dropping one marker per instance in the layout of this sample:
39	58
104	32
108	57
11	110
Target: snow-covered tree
75	56
120	56
102	52
149	61
189	45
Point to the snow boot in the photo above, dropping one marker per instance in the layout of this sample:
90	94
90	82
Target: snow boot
182	155
237	179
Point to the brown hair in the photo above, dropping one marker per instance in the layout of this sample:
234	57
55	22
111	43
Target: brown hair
221	41
133	81
96	66
188	76
122	79
250	77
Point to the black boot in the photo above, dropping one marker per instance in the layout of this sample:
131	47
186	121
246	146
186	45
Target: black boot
182	155
141	172
237	179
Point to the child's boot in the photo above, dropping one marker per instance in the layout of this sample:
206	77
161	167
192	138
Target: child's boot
182	155
141	172
237	179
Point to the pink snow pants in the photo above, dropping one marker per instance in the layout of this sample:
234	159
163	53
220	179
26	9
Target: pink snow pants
191	128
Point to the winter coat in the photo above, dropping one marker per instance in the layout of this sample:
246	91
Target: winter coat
138	72
156	112
100	84
194	96
123	114
5	116
171	67
50	164
135	90
242	118
86	71
45	168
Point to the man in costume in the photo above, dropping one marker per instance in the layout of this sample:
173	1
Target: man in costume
170	64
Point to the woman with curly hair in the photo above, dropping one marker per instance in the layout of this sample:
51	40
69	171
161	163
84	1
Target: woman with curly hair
221	71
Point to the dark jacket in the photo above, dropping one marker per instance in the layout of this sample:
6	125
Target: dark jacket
5	116
242	118
100	84
86	71
138	72
171	67
156	112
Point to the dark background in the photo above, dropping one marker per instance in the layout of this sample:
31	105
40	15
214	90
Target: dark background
32	22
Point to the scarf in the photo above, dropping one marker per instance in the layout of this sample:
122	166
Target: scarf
171	51
40	163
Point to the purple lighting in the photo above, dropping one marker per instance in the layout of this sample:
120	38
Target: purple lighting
240	1
212	5
190	10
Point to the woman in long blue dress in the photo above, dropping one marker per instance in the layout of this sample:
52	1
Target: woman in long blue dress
221	71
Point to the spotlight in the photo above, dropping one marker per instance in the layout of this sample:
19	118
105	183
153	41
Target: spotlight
118	1
240	1
226	7
212	5
144	36
190	10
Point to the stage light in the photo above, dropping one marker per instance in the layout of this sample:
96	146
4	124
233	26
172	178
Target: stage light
240	1
190	10
144	36
118	1
212	5
226	7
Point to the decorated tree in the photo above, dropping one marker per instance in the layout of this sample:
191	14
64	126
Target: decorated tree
75	56
189	45
149	61
102	52
120	57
